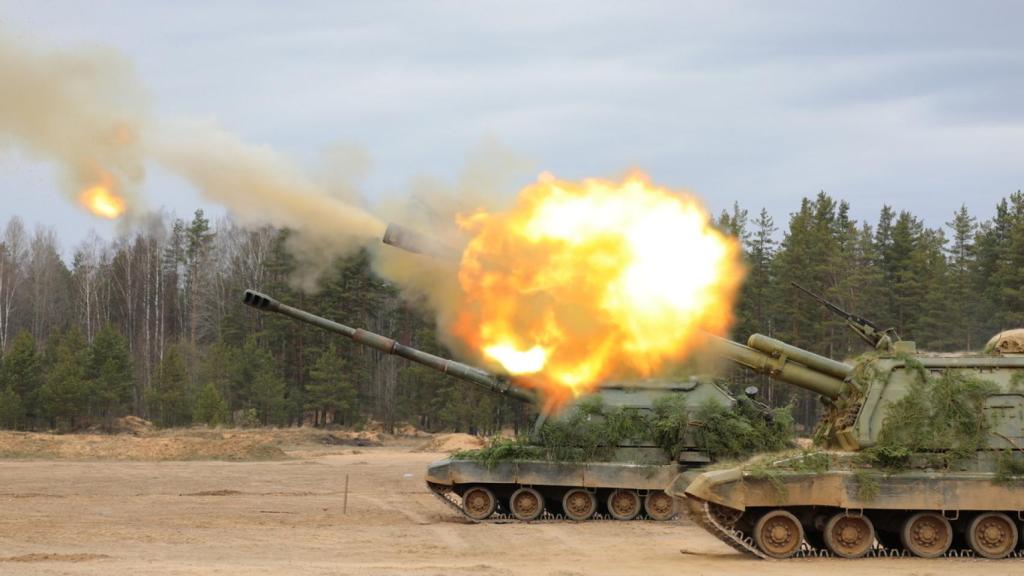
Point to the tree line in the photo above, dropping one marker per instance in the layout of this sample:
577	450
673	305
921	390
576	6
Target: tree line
949	287
149	323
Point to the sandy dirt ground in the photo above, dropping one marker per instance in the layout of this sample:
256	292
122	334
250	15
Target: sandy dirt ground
285	516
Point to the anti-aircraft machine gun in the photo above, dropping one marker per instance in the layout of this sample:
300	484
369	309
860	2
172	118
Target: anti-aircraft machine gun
868	331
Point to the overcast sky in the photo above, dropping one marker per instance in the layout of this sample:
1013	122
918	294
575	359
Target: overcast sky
916	104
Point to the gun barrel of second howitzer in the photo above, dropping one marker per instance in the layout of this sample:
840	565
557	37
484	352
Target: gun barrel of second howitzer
389	346
787	369
778	349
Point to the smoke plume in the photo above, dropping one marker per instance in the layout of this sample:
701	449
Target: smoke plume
260	187
433	207
81	110
85	111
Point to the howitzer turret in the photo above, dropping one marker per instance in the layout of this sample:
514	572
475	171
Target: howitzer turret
923	450
459	370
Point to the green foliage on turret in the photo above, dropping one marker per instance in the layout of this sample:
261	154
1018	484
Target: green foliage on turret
593	432
671	422
941	421
743	430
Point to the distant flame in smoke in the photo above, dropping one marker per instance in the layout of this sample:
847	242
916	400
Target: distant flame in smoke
582	281
102	200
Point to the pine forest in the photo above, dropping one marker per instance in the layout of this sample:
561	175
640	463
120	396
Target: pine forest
151	323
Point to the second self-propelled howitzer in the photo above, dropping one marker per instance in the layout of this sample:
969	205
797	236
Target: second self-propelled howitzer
569	467
917	454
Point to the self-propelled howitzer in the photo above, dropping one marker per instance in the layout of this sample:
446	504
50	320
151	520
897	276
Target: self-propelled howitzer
918	454
568	468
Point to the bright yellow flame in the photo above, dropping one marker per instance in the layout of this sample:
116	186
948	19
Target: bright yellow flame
102	201
516	361
582	281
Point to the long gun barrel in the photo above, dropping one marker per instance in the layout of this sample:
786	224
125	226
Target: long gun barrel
817	362
477	376
804	369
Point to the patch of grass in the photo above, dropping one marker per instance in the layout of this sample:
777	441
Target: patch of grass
773	476
671	423
593	431
888	458
867	485
1008	468
743	430
1017	380
941	420
501	449
773	468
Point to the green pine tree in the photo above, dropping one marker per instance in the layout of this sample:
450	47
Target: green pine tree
22	372
12	412
268	397
110	374
220	366
211	409
330	392
169	398
65	394
964	300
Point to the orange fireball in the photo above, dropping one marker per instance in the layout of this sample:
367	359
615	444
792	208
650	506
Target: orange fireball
582	281
102	200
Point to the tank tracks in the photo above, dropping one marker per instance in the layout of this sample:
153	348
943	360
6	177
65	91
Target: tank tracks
452	500
716	521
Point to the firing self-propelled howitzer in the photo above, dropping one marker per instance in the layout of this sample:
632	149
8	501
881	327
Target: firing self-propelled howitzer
622	478
917	454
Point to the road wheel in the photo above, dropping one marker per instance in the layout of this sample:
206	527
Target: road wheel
992	535
927	534
778	534
849	536
478	502
624	504
526	504
660	506
579	504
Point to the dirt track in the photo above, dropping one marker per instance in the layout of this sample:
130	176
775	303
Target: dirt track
285	517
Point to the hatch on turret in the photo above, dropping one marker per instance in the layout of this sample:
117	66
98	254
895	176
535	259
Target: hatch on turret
1005	415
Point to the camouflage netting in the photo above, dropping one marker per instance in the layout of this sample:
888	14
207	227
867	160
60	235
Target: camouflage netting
593	432
1007	342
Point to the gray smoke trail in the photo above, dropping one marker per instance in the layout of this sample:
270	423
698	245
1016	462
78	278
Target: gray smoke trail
81	110
85	111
